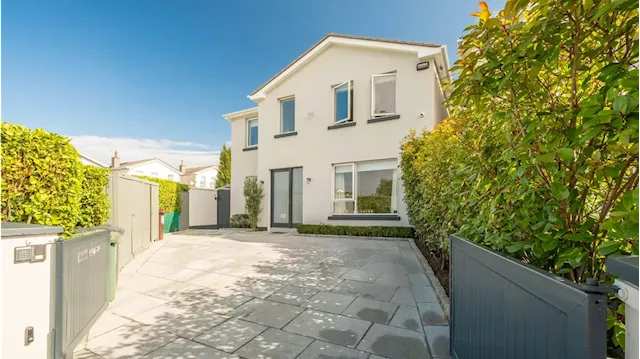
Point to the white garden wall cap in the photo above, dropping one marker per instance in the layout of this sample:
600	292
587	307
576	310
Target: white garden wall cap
13	229
422	50
241	114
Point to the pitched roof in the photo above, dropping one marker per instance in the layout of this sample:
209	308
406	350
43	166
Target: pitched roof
340	36
96	162
193	170
140	162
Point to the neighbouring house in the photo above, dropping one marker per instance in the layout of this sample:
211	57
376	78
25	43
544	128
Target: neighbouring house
324	139
90	161
152	167
201	177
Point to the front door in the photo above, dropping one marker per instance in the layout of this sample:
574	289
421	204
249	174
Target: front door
286	197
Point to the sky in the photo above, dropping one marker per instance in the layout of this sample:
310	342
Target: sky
152	78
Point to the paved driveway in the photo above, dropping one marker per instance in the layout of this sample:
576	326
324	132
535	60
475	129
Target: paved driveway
225	294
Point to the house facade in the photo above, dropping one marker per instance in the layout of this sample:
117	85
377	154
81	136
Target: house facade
325	136
152	167
200	177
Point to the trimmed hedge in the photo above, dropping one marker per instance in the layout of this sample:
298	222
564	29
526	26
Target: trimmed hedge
364	231
44	181
94	203
169	193
240	220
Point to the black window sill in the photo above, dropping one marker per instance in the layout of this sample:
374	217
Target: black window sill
341	125
286	134
364	217
383	118
250	148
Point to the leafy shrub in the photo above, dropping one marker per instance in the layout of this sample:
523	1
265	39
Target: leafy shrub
240	220
428	163
374	204
169	193
44	181
371	231
94	203
253	194
547	100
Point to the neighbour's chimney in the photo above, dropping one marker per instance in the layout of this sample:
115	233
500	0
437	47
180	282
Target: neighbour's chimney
181	167
115	160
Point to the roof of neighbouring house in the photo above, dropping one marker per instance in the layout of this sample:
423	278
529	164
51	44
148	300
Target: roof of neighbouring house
332	37
194	170
246	112
92	160
148	160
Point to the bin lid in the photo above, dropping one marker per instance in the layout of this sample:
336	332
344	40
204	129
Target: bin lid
624	267
12	229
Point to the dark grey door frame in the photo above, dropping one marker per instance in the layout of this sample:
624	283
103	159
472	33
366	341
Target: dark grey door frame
290	224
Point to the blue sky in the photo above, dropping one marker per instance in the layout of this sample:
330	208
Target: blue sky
107	71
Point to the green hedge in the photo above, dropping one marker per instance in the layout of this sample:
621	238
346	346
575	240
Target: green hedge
372	231
240	220
374	204
94	203
44	181
169	193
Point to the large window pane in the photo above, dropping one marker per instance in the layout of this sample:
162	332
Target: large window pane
343	183
288	111
252	139
343	207
384	93
296	199
376	187
342	102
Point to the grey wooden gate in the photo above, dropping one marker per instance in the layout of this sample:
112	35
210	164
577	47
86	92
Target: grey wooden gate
224	207
502	308
82	288
135	208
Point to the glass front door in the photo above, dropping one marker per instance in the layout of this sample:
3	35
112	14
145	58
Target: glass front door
286	197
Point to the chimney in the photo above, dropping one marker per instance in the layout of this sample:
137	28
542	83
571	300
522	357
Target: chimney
181	167
115	160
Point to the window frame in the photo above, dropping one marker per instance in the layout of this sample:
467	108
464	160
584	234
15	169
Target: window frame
354	182
170	176
334	88
281	101
353	186
373	94
248	136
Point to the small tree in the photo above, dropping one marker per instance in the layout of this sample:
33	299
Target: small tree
224	167
253	194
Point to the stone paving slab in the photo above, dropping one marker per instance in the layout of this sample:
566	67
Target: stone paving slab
360	275
187	349
331	271
174	291
292	295
323	350
432	314
395	343
329	302
403	296
393	279
332	328
424	294
217	301
143	283
272	314
371	310
438	339
366	290
137	304
314	280
419	280
276	344
230	335
129	341
106	323
407	317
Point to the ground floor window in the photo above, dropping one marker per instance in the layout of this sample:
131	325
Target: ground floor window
365	187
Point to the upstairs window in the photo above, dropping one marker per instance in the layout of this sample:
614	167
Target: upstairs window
383	95
154	174
343	102
252	132
288	115
170	177
203	182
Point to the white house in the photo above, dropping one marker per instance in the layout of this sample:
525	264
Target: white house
90	161
325	136
152	167
201	177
